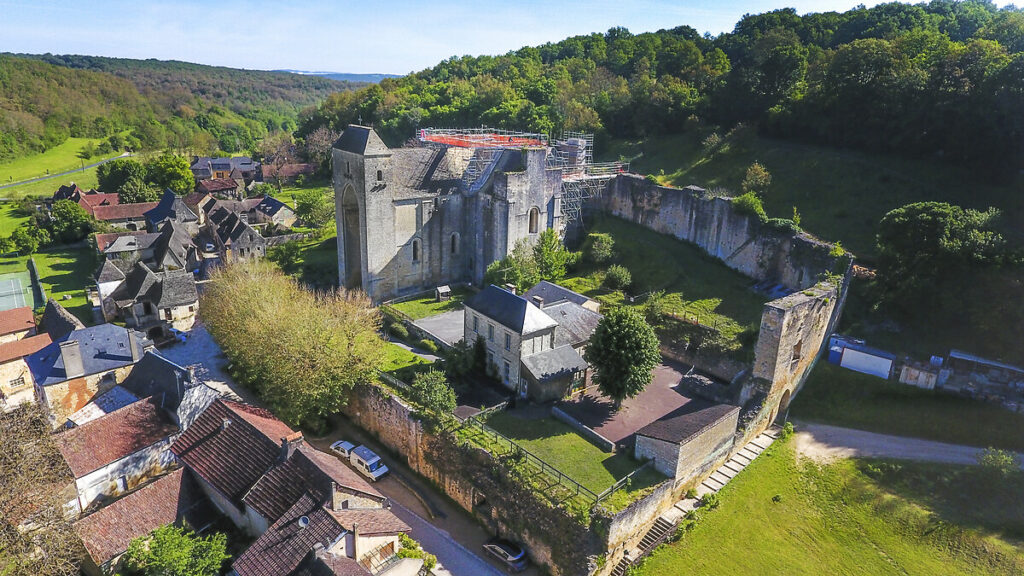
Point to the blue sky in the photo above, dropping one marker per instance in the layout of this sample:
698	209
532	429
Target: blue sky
396	36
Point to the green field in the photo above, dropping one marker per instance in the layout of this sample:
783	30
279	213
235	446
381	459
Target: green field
841	397
840	194
62	271
9	219
85	181
429	306
696	285
54	161
849	517
573	455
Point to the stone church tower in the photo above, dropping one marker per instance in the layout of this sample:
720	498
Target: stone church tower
410	219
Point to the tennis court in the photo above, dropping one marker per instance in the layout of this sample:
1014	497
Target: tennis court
16	291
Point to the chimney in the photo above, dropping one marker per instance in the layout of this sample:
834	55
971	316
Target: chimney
71	354
336	503
539	301
355	541
511	288
134	346
288	445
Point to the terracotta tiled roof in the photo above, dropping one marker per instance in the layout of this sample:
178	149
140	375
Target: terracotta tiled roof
280	550
123	211
217	185
307	470
231	445
107	532
371	521
324	563
90	202
16	320
21	348
108	439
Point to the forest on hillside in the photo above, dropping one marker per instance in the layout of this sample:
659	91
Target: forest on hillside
44	99
942	80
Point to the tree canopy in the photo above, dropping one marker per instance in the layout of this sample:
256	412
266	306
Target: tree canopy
173	551
623	351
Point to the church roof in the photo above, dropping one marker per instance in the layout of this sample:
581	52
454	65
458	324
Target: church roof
361	140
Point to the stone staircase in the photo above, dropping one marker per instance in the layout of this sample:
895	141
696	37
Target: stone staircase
667	522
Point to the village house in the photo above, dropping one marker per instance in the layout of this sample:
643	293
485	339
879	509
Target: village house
172	208
274	485
171	248
16	323
235	239
16	382
536	352
125	216
69	372
223	187
270	210
87	200
107	532
155	302
241	167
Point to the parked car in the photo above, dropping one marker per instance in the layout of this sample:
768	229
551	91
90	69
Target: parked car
509	553
368	463
178	335
343	448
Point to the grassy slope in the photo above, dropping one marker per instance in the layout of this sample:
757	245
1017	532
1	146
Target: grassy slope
841	195
830	520
62	271
85	179
9	220
397	358
842	397
429	306
57	159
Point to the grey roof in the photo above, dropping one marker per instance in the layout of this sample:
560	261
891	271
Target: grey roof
57	321
230	227
361	140
170	207
554	363
109	272
162	289
132	242
688	421
553	293
243	163
171	250
157	376
104	347
272	206
509	310
417	172
576	324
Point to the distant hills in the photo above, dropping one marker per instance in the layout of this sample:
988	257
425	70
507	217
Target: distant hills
344	76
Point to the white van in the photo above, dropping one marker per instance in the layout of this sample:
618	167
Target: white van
368	463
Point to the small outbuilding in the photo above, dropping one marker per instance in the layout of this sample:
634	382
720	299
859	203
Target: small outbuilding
687	442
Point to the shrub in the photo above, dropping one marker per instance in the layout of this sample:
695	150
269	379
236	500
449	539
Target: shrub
996	463
432	390
787	431
709	501
783	224
757	179
691	494
617	277
599	247
712	142
428	345
654	308
777	498
749	203
652	179
411	549
399	331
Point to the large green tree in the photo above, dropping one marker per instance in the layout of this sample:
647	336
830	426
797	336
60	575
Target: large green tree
315	207
623	351
173	551
551	256
114	174
69	221
171	171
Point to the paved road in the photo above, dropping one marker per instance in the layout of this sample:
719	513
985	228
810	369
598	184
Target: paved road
453	558
822	443
41	178
203	354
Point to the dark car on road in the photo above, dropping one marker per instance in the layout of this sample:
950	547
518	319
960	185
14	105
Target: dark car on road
510	554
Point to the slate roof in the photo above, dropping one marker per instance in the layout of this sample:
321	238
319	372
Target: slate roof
280	550
554	363
217	185
689	420
576	324
163	289
21	348
157	376
509	310
104	347
361	140
121	433
418	172
231	228
272	206
57	321
232	458
172	246
126	242
324	563
124	211
16	320
67	192
170	207
203	166
173	498
553	293
111	400
109	272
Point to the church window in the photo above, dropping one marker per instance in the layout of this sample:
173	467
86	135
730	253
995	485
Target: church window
455	243
416	250
380	175
534	220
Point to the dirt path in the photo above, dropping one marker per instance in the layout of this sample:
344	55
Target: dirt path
823	443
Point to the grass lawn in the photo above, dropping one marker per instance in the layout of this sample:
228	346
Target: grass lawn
85	181
840	194
560	446
834	395
695	284
838	519
54	161
9	220
62	271
319	260
429	306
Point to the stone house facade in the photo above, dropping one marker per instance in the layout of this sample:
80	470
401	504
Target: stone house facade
16	323
16	382
681	443
410	219
155	302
